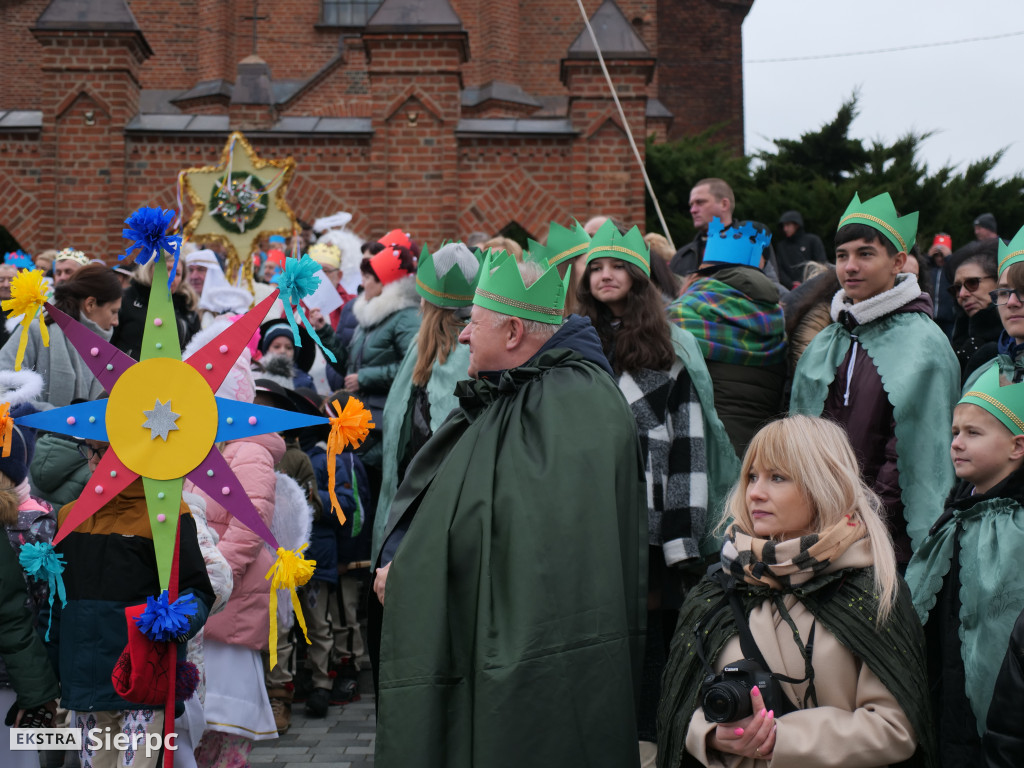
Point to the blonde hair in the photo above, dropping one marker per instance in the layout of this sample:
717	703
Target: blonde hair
439	333
659	246
816	454
9	501
144	276
499	243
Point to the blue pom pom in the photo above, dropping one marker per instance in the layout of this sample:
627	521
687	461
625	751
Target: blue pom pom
298	281
163	621
146	229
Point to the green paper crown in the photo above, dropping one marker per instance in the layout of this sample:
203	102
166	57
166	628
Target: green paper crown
607	242
449	290
563	244
1006	403
880	213
1011	252
501	289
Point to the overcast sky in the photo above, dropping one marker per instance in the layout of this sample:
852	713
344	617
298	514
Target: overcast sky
967	94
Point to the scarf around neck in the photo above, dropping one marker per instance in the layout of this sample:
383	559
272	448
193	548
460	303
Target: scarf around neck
782	565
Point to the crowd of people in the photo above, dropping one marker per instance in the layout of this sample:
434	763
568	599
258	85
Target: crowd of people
740	504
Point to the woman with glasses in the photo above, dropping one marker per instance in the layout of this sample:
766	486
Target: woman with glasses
1008	297
977	328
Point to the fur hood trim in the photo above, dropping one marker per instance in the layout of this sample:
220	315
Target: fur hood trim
395	296
885	303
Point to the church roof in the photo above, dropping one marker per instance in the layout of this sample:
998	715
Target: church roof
112	15
414	16
615	35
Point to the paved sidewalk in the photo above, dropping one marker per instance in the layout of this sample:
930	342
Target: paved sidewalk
343	739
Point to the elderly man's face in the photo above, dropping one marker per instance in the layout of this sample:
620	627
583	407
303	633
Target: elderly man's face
487	351
196	277
7	273
64	269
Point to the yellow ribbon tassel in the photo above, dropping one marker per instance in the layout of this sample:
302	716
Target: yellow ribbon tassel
351	427
290	570
6	428
28	294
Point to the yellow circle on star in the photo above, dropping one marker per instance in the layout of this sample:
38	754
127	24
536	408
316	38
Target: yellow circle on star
139	389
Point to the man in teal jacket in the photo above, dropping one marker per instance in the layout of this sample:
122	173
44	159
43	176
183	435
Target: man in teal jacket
515	599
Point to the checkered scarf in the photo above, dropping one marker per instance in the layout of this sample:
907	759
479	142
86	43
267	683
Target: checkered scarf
729	326
782	565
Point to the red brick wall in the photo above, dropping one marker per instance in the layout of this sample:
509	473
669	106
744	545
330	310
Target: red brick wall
75	181
700	67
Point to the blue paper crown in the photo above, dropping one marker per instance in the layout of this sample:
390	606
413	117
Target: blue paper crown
735	245
19	259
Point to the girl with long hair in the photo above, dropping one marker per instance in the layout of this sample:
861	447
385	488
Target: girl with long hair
809	601
663	377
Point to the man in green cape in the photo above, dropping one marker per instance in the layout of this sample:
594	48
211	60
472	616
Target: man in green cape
515	597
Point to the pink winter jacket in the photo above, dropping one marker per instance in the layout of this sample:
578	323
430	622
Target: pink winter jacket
246	618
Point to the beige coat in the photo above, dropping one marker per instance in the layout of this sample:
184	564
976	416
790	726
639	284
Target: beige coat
857	723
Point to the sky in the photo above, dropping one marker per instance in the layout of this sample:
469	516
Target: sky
966	94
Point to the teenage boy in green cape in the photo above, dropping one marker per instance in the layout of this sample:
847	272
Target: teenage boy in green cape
885	371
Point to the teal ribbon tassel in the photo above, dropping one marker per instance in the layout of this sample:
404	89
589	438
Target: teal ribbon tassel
40	561
298	281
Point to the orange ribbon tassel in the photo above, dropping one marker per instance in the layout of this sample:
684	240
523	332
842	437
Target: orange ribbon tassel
349	428
6	428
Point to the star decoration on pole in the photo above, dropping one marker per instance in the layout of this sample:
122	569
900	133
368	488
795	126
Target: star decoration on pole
238	201
189	437
160	420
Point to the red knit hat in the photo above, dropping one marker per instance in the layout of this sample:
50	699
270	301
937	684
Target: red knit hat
142	674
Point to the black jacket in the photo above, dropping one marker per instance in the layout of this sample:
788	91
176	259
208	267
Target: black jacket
131	319
1003	742
795	252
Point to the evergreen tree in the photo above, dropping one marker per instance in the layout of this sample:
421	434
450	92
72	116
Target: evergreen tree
818	173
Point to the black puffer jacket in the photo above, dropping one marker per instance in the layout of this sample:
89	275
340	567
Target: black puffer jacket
793	253
1003	742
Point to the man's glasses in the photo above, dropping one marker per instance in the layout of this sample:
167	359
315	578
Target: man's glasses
88	452
970	283
1002	296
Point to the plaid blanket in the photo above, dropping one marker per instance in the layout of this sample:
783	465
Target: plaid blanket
729	326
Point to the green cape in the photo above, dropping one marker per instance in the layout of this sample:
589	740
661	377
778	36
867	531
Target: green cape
991	534
397	423
846	605
723	464
515	603
920	375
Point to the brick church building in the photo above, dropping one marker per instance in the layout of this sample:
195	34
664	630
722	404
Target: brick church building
444	117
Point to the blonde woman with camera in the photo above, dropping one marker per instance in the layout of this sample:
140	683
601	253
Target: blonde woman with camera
803	649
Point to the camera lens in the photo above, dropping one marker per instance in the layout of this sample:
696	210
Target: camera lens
726	702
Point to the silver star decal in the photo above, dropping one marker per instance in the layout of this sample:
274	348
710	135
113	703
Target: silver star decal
160	421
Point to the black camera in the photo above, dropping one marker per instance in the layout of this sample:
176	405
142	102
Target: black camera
725	697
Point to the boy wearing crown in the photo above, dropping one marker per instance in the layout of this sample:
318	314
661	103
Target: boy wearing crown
884	370
964	577
732	308
514	598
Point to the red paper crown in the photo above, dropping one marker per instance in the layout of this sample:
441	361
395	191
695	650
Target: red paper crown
943	239
387	266
396	237
275	256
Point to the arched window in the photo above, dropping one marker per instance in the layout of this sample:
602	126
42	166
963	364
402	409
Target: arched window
347	13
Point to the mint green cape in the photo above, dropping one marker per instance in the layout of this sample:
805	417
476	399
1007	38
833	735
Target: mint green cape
991	593
920	375
398	420
723	464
